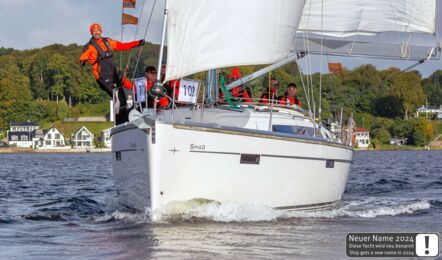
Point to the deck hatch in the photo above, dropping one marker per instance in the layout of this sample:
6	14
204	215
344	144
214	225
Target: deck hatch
250	159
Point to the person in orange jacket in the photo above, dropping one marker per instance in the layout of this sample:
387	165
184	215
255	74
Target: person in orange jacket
266	96
239	92
151	75
290	97
98	53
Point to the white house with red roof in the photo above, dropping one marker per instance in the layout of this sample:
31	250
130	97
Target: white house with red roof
362	138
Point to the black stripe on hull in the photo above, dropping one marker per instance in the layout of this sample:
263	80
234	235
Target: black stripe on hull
279	156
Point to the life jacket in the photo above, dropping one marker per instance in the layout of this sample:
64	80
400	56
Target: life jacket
290	101
241	93
266	97
104	60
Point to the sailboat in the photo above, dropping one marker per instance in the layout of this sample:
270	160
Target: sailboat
263	154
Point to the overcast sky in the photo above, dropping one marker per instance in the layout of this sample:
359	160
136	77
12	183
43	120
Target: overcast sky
27	24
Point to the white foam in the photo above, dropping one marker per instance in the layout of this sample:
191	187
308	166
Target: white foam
214	211
133	218
364	210
207	210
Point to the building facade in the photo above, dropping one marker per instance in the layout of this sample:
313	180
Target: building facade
82	138
48	139
362	138
106	140
20	134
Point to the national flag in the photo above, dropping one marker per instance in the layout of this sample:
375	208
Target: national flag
129	3
129	19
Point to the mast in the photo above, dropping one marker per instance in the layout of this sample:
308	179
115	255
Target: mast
157	89
163	40
212	86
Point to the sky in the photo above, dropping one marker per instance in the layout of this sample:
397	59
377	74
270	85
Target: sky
27	24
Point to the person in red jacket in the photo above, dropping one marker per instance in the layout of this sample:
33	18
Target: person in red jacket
239	92
151	75
99	53
290	97
273	94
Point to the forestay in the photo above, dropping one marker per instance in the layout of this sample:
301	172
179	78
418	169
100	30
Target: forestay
210	34
405	29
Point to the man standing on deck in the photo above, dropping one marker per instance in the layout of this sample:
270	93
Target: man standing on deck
98	52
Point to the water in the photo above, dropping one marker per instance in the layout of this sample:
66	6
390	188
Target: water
62	206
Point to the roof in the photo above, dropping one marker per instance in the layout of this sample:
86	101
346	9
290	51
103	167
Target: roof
19	134
435	107
361	130
81	128
27	123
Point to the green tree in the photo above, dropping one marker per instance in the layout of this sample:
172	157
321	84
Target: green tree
423	132
14	91
407	87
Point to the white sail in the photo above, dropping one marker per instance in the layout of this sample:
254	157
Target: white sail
349	17
400	29
209	34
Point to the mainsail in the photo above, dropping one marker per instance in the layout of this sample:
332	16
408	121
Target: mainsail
204	35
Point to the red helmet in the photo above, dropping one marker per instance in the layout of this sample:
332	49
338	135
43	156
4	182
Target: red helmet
95	26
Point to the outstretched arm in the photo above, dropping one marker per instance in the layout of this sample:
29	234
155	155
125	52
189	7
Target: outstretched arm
119	46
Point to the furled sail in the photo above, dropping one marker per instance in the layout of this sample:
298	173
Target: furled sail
210	34
404	29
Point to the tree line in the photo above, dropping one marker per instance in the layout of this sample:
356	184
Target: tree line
47	85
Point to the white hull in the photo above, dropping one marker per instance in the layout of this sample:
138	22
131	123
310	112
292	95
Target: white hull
168	163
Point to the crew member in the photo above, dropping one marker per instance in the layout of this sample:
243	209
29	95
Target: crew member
239	92
98	52
273	94
290	97
151	75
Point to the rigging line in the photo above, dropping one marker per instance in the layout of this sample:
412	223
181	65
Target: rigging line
303	86
122	31
136	34
144	37
308	60
321	63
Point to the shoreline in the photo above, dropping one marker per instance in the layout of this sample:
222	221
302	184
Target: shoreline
52	151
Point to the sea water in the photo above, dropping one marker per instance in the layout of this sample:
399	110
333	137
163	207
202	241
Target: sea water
62	206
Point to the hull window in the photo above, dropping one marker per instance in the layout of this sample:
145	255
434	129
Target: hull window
250	158
294	130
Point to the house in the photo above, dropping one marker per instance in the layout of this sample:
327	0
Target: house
48	139
398	141
106	138
362	137
20	134
429	110
82	138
